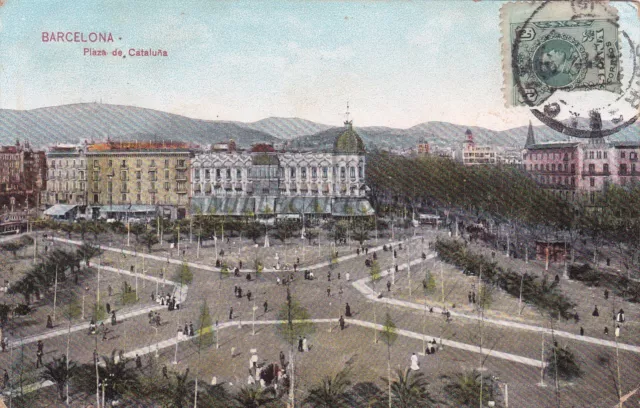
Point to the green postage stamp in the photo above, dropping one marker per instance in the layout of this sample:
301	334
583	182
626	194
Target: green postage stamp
553	46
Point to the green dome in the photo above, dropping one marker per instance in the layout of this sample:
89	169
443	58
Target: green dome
348	142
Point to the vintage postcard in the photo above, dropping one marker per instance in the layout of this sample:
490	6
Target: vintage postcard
355	203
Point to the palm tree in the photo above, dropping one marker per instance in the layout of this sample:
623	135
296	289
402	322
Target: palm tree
254	397
59	373
409	389
180	391
331	391
464	388
95	228
120	378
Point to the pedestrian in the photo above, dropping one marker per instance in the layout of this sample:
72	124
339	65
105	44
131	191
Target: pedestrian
576	317
395	254
557	278
375	256
266	306
388	286
248	277
191	331
341	320
329	276
282	362
595	312
348	277
5	379
3	343
113	318
305	345
249	295
328	291
347	310
340	291
581	331
40	345
138	362
358	251
109	290
606	331
39	358
338	275
617	330
231	313
468	296
473	298
300	344
414	362
620	317
366	251
108	307
235	290
153	298
164	372
606	294
104	333
49	322
396	266
239	292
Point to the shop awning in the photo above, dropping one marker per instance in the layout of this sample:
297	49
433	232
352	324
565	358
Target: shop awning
59	210
347	207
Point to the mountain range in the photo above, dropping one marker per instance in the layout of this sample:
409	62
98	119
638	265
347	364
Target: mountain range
97	121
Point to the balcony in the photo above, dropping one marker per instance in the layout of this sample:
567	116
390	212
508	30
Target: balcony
181	166
181	177
181	190
153	190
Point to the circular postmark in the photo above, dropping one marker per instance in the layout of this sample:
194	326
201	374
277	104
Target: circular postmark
569	72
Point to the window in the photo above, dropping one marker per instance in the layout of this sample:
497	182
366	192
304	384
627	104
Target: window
605	168
152	176
343	172
303	173
591	155
623	168
217	173
293	172
592	168
123	176
228	174
153	163
599	155
153	186
166	185
95	164
166	162
95	186
138	198
623	155
110	186
314	172
633	168
196	175
180	163
592	182
573	168
110	163
138	186
352	172
124	163
604	154
207	174
139	164
95	199
361	172
138	175
536	167
166	173
553	167
238	174
53	164
81	175
95	177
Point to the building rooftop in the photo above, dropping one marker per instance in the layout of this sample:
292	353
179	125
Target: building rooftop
140	146
552	145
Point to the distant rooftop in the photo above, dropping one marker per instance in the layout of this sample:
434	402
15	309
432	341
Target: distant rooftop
139	146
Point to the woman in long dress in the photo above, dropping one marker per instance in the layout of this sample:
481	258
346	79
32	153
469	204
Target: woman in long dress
305	345
414	362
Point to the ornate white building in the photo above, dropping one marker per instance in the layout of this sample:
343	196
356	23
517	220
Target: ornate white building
263	181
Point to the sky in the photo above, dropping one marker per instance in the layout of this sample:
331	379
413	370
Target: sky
397	63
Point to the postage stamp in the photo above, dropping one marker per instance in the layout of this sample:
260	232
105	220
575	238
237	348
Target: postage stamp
549	47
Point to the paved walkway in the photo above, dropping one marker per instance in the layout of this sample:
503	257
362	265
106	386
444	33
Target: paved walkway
178	291
152	348
214	269
362	287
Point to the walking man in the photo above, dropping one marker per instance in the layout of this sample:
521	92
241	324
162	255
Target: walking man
191	331
388	286
164	372
328	291
109	290
347	311
108	307
348	277
231	313
138	362
249	295
341	320
299	343
266	306
282	359
39	355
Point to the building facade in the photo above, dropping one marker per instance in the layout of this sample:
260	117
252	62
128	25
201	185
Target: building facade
581	170
66	171
262	181
22	176
147	175
473	155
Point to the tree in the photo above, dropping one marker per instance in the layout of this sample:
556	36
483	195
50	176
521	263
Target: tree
285	230
58	372
409	390
311	234
206	325
360	234
254	397
389	335
485	296
331	391
180	391
254	231
374	273
184	274
87	251
464	388
96	228
149	239
81	227
12	247
568	368
429	284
